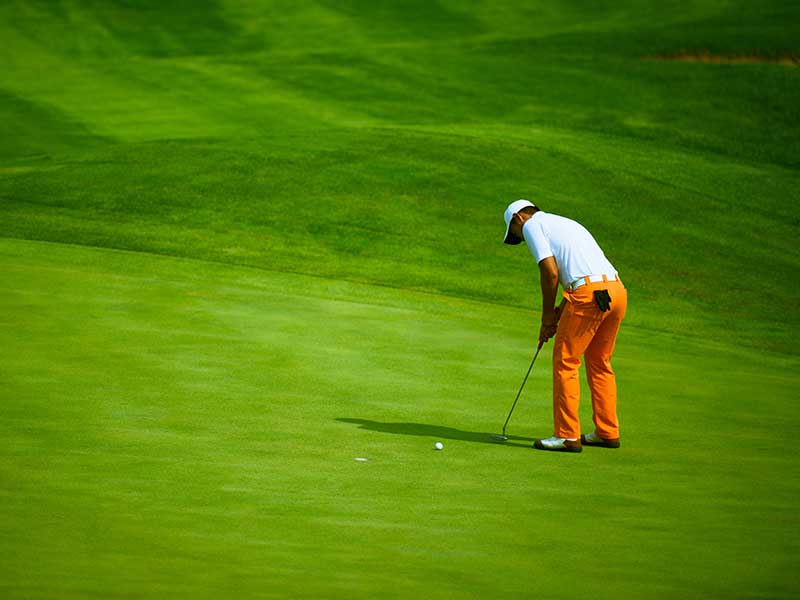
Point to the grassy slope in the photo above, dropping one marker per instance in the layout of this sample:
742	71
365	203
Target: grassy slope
265	134
439	119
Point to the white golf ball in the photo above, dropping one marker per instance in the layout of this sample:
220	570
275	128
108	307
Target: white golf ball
438	445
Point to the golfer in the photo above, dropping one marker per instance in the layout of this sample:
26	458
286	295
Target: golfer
586	324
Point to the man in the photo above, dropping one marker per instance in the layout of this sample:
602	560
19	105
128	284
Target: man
586	325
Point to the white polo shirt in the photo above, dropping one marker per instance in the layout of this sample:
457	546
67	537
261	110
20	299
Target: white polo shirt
576	252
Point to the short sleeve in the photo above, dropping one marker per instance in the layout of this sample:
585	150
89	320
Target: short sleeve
537	240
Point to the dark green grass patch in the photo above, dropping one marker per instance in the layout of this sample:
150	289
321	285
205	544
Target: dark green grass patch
34	131
181	428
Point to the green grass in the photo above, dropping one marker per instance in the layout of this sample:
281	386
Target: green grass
244	243
180	427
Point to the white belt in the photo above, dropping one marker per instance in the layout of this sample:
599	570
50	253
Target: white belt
591	279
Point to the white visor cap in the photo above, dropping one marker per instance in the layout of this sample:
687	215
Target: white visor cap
512	209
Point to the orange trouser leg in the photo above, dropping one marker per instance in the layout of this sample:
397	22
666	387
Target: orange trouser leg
585	329
599	373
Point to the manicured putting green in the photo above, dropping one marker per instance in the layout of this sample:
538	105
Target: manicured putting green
183	428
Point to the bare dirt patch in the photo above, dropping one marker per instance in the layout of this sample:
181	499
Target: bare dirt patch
787	59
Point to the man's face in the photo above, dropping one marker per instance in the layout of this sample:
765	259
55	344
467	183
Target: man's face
515	226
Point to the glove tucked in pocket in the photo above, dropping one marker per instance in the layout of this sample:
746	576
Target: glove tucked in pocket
603	300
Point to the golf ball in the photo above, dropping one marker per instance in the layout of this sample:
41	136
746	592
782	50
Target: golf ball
438	445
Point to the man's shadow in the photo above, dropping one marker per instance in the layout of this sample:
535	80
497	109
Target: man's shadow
437	431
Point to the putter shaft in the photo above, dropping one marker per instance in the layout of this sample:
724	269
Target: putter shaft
520	388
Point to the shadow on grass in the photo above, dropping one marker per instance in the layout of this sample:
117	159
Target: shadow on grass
437	431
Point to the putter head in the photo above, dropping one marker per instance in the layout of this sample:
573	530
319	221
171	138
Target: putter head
499	437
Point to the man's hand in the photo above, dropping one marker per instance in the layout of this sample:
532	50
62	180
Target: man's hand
550	320
546	332
549	325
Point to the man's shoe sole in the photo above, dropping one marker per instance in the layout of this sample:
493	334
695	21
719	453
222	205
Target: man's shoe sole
601	444
567	447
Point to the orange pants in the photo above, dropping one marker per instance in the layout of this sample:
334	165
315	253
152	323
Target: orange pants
585	330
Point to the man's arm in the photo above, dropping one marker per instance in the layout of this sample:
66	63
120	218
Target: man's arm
548	278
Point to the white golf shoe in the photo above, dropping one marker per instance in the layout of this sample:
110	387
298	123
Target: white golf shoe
558	444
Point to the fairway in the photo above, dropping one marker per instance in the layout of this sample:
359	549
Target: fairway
251	271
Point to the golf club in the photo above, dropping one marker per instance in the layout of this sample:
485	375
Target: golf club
502	437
